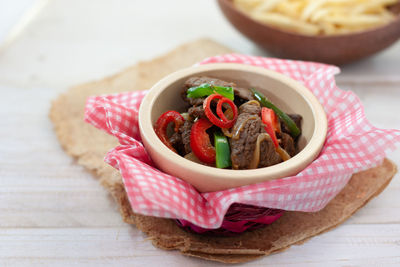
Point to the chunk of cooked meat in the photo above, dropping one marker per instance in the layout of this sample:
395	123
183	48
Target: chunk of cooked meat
287	143
297	120
196	111
243	143
176	141
268	154
185	130
248	127
196	81
242	93
250	107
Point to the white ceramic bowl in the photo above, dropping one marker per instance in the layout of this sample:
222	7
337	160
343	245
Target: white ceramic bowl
286	93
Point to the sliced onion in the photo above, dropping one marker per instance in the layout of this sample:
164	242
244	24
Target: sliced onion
192	157
256	154
226	132
241	125
229	114
251	102
282	152
185	115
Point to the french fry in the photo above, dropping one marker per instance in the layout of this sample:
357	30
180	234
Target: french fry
326	17
319	15
357	20
268	5
312	7
290	9
328	28
287	23
373	6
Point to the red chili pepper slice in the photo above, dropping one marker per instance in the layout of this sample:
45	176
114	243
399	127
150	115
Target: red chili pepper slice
221	114
269	117
162	123
270	120
223	121
200	141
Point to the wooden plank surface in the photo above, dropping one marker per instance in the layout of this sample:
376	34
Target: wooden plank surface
353	245
53	213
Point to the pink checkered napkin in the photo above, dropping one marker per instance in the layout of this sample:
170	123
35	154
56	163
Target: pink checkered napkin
352	145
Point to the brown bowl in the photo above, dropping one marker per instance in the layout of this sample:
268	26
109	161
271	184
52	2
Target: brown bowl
336	49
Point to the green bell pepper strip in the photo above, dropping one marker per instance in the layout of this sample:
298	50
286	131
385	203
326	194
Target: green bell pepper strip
223	152
294	130
207	89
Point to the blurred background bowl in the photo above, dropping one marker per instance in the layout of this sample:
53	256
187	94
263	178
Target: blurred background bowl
333	49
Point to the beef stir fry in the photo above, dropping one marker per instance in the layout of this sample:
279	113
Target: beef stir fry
229	127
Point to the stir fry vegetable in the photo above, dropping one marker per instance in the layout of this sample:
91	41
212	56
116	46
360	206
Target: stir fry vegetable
207	89
223	152
223	121
200	141
284	155
294	130
268	117
214	130
162	123
270	120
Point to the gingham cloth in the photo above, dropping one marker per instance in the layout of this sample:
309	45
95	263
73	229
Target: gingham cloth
352	145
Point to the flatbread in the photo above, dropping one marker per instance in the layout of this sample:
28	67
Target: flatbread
89	145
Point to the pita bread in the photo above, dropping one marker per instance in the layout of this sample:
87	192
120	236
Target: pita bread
89	145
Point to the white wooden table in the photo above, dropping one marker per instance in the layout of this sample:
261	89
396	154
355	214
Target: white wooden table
53	213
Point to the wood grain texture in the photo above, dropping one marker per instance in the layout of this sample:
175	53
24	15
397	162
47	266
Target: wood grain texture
352	245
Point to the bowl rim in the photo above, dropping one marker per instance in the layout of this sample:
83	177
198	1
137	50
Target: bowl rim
230	4
303	158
